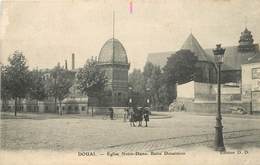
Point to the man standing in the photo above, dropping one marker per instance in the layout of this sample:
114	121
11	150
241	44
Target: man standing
125	114
111	111
132	117
146	117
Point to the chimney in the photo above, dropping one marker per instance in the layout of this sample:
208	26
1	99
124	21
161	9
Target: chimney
66	65
73	61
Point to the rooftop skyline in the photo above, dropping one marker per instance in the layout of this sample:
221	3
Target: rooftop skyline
48	32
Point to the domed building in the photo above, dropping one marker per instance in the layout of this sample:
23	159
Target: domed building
113	60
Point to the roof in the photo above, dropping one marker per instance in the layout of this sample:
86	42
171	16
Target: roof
255	59
193	45
159	58
113	52
77	100
233	58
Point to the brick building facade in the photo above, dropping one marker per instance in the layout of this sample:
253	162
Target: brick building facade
113	60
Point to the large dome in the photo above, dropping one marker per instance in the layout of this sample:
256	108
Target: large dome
113	52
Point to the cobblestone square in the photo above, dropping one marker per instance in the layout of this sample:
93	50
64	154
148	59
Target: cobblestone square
84	133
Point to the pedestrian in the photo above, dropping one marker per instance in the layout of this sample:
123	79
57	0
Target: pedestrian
132	117
146	117
140	112
125	115
111	111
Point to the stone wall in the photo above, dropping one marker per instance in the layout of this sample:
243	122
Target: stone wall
211	106
118	111
186	90
205	91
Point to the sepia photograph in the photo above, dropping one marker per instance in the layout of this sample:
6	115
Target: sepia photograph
130	82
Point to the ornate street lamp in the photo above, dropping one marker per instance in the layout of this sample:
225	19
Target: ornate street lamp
219	58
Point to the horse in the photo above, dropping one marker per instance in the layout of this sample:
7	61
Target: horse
136	116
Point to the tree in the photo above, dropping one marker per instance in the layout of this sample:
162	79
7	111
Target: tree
59	84
92	80
17	79
5	95
153	80
180	67
37	90
148	71
37	87
167	91
137	82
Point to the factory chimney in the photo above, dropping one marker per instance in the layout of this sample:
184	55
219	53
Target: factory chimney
66	65
73	61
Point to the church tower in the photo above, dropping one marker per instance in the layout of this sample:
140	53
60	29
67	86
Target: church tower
246	41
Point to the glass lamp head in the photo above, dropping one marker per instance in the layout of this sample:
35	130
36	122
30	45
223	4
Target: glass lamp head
219	54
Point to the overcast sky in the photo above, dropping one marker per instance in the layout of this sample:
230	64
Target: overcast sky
48	31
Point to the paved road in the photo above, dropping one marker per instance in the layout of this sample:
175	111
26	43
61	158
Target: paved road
233	139
81	133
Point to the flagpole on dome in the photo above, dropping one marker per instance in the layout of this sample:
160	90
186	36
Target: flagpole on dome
113	36
113	56
246	21
113	24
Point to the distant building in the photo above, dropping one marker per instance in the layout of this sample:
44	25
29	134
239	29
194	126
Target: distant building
237	59
205	67
251	82
113	60
234	57
75	102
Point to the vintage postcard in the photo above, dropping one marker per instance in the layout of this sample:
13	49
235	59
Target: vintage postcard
130	82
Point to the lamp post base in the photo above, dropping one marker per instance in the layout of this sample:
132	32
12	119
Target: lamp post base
221	149
219	143
251	108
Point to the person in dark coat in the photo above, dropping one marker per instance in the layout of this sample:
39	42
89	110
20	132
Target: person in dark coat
111	113
131	119
146	117
127	113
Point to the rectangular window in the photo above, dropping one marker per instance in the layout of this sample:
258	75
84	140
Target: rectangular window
256	73
82	108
